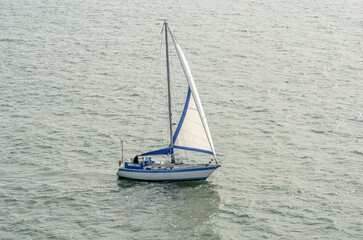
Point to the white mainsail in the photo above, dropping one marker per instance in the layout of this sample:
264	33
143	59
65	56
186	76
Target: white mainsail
192	132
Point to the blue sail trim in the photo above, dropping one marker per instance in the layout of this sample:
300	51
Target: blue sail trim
182	116
163	151
194	149
169	150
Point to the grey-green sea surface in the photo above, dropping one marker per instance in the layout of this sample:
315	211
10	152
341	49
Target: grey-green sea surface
282	88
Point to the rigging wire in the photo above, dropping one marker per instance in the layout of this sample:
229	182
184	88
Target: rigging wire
151	103
152	98
174	77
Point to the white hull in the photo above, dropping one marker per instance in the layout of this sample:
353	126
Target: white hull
173	173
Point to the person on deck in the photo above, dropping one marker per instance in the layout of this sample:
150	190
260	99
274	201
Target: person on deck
136	159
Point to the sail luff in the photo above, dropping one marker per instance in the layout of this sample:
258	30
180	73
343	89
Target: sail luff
194	92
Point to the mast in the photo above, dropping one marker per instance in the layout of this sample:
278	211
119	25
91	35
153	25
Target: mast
169	97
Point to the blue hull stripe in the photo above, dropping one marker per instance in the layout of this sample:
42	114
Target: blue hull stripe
166	180
167	171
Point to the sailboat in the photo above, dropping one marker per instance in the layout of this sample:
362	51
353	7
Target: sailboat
192	134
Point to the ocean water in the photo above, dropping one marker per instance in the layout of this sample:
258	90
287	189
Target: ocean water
281	84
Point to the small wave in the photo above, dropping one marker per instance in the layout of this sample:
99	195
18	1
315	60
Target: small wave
317	131
9	40
355	120
357	152
81	152
20	116
321	131
261	110
45	146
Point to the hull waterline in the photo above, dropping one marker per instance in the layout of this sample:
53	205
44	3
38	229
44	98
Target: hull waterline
176	174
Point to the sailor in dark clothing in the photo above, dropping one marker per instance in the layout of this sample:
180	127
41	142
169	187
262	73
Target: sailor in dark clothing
136	159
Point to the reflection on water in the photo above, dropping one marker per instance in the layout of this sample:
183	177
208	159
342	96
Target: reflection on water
184	208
